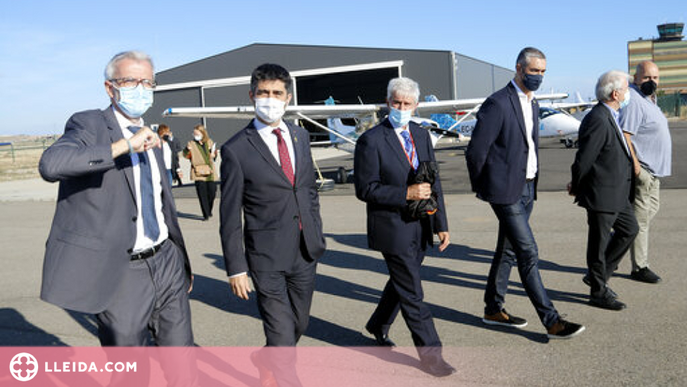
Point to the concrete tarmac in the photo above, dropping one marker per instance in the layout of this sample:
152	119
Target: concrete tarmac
641	346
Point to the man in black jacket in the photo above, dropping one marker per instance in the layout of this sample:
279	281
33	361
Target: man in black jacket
602	183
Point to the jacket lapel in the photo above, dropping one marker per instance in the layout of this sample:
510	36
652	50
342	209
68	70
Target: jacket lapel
619	136
515	102
257	142
122	162
419	140
299	151
395	144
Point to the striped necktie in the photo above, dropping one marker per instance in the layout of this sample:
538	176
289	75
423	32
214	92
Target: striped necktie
150	227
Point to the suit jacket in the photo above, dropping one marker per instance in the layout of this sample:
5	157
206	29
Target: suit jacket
94	228
253	181
382	175
497	153
602	173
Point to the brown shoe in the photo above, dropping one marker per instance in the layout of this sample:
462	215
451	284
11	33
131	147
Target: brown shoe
564	330
504	319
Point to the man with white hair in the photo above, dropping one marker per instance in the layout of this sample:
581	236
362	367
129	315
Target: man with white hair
646	130
386	160
602	184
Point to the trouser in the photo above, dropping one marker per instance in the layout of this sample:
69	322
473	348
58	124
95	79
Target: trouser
206	191
646	206
516	245
404	292
284	300
610	236
152	300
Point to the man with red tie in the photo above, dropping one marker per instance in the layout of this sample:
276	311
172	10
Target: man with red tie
268	175
386	159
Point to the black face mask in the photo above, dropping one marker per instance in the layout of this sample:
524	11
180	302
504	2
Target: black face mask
648	88
532	81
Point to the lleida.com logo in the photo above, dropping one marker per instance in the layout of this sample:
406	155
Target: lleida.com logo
23	367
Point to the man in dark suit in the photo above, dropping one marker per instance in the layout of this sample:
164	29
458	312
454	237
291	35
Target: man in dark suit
602	183
267	173
503	167
386	158
115	248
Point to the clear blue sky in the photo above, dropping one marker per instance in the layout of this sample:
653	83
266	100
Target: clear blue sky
52	53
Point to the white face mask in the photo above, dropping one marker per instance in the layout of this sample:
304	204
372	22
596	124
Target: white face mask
198	138
270	110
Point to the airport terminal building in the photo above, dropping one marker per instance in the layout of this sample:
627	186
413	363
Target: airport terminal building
350	75
669	52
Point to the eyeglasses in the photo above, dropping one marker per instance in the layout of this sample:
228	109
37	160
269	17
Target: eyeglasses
131	83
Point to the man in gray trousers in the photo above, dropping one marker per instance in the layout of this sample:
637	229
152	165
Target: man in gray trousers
115	248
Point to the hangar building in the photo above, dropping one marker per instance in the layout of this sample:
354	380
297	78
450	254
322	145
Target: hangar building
349	74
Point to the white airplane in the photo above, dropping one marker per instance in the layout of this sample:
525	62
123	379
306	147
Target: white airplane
552	122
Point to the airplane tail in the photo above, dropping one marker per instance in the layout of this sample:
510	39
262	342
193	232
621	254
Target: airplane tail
445	121
336	124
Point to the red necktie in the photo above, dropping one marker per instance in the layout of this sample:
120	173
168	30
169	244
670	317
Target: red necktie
284	158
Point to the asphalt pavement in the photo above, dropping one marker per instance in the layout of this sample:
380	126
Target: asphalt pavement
643	345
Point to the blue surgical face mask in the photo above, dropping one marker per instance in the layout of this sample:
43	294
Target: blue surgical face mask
399	118
626	101
134	102
532	81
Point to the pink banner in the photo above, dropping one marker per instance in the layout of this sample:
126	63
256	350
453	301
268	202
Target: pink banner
216	366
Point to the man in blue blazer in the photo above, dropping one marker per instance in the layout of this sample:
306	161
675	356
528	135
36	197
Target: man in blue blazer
602	177
503	166
268	176
386	158
115	248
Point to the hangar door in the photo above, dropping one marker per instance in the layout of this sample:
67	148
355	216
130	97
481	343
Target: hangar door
350	87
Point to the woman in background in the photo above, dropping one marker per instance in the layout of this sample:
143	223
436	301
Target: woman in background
202	153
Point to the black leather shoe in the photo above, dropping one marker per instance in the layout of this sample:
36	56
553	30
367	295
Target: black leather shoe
610	303
645	275
587	282
437	367
381	339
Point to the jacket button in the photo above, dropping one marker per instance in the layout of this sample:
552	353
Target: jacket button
134	218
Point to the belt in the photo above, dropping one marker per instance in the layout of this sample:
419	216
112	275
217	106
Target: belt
145	254
529	180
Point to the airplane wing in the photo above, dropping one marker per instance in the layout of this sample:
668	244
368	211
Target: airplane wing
453	106
338	111
248	112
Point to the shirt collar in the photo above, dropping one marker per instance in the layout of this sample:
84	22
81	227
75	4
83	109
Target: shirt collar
614	113
261	126
124	122
521	94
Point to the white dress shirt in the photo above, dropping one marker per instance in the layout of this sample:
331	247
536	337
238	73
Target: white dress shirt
270	139
526	104
142	241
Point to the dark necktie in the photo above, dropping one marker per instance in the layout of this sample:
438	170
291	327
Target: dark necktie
150	226
410	149
284	158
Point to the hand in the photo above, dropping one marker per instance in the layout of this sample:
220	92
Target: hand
240	286
445	240
144	139
638	169
190	287
570	192
419	191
